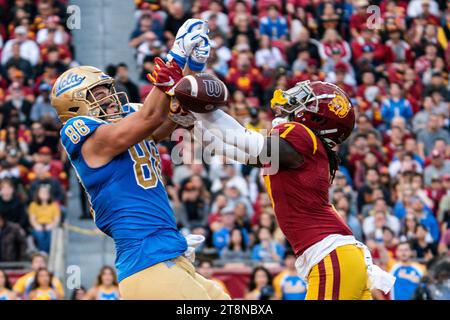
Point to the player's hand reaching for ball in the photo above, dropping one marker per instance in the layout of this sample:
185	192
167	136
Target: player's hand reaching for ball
191	45
166	75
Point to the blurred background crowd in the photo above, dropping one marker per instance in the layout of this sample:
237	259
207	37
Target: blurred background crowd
394	180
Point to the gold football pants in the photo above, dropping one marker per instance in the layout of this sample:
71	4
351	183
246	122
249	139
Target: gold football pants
341	275
174	279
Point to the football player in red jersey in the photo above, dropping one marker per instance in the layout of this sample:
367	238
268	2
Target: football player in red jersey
313	117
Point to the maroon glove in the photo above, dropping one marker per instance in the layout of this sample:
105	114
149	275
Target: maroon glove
166	75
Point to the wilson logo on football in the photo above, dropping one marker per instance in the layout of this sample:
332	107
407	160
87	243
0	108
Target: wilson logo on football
339	106
213	88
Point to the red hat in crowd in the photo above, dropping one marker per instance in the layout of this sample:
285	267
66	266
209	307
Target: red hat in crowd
341	66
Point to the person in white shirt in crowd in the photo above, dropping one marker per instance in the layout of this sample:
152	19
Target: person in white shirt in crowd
54	29
406	163
267	56
28	48
374	223
438	167
416	8
151	46
215	7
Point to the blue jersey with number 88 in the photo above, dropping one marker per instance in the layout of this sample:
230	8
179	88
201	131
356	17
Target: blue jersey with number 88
128	199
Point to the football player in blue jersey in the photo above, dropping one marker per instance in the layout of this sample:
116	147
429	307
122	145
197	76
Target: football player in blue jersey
111	143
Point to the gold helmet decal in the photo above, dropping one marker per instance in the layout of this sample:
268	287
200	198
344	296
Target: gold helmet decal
339	105
72	96
278	98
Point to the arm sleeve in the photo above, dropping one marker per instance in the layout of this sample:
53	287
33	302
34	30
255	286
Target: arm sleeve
231	132
301	138
76	131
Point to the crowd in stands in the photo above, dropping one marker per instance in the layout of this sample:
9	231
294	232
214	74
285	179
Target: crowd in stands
394	180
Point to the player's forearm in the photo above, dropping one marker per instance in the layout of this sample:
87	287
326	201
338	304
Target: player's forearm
214	144
232	132
154	110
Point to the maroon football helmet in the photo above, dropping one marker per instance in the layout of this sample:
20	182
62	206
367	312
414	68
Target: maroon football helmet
321	106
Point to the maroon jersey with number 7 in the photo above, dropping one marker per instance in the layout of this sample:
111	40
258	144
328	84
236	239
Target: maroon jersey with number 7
300	196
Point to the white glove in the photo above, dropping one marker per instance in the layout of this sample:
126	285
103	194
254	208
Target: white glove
187	37
193	241
200	54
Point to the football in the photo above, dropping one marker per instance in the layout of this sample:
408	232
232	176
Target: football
201	93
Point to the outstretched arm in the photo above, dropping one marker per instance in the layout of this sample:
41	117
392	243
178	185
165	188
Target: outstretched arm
111	139
249	147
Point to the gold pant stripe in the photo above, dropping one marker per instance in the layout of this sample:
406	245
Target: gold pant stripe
349	276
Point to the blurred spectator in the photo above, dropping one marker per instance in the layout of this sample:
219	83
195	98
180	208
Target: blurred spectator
145	26
221	237
273	25
396	106
407	272
417	7
423	244
194	198
267	56
266	249
79	294
5	287
436	286
425	217
17	104
41	288
45	216
437	168
150	47
11	205
333	49
106	286
408	232
41	176
175	18
216	9
431	133
42	107
19	62
288	284
29	50
237	250
12	241
41	138
260	285
24	284
374	224
123	78
420	119
53	30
